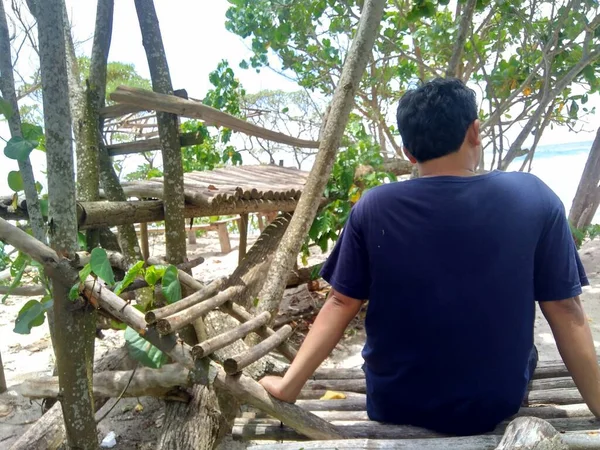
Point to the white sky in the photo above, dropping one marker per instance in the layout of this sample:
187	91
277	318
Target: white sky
196	40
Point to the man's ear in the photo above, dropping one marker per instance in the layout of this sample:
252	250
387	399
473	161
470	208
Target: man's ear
410	157
473	134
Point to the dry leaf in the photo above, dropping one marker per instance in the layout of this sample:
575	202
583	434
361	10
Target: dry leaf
138	408
333	395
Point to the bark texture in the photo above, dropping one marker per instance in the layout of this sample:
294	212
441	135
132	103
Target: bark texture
587	198
7	86
466	20
74	330
341	105
168	131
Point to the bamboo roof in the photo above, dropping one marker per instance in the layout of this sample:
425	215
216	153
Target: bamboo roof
228	185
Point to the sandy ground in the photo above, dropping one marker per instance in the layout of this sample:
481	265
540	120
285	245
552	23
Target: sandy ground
28	356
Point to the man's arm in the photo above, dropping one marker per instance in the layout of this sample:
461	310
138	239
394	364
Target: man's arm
324	335
574	341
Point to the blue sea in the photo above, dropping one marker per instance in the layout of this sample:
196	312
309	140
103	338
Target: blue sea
560	167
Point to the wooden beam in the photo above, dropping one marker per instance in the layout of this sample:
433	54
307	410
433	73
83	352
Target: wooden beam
144	382
147	100
148	145
108	214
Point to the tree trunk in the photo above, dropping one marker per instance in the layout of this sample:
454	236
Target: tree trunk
7	86
332	132
74	330
168	131
48	433
587	197
531	433
466	20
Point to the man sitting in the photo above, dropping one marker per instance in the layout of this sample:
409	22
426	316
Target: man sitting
452	264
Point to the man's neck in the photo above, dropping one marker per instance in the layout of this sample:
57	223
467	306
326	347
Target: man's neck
425	171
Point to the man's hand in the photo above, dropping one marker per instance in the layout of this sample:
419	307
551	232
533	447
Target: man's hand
326	332
277	387
574	341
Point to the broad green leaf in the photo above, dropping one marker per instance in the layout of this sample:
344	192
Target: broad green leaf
32	314
85	272
15	180
129	277
101	265
19	148
44	206
154	274
38	187
17	269
143	351
74	292
32	132
170	285
5	108
82	240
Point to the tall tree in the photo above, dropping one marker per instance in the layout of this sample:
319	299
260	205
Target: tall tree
168	130
74	329
330	138
587	198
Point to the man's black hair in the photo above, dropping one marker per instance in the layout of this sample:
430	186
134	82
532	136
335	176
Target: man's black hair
433	119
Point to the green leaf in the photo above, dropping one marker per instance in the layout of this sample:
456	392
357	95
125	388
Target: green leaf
116	325
129	277
154	274
85	272
44	206
32	314
17	269
74	292
32	132
82	240
170	285
38	187
15	180
143	351
101	265
19	148
5	108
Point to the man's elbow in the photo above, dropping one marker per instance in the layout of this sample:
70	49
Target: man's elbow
344	303
560	310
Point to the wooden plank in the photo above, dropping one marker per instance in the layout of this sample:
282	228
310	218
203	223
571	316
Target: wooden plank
144	99
153	144
224	238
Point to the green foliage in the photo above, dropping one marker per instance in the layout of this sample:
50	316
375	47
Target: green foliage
171	287
101	265
19	149
153	274
580	235
227	91
17	269
143	351
32	314
15	181
129	277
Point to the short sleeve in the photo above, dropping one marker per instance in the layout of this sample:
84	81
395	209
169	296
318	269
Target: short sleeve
347	268
558	271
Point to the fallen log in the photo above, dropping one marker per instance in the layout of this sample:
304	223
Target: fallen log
161	383
531	433
48	433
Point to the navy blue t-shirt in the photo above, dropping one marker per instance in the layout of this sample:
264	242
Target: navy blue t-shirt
452	267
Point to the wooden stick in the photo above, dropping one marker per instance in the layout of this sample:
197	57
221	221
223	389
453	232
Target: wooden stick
179	320
243	226
222	340
189	108
239	362
239	313
242	387
197	297
144	239
145	382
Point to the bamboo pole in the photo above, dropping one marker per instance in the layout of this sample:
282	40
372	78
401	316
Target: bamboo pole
144	239
243	228
238	362
180	319
210	346
199	296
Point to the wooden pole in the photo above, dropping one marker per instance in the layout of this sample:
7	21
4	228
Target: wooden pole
239	362
243	227
144	239
180	319
199	296
210	346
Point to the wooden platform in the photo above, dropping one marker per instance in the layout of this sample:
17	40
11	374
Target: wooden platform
552	397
